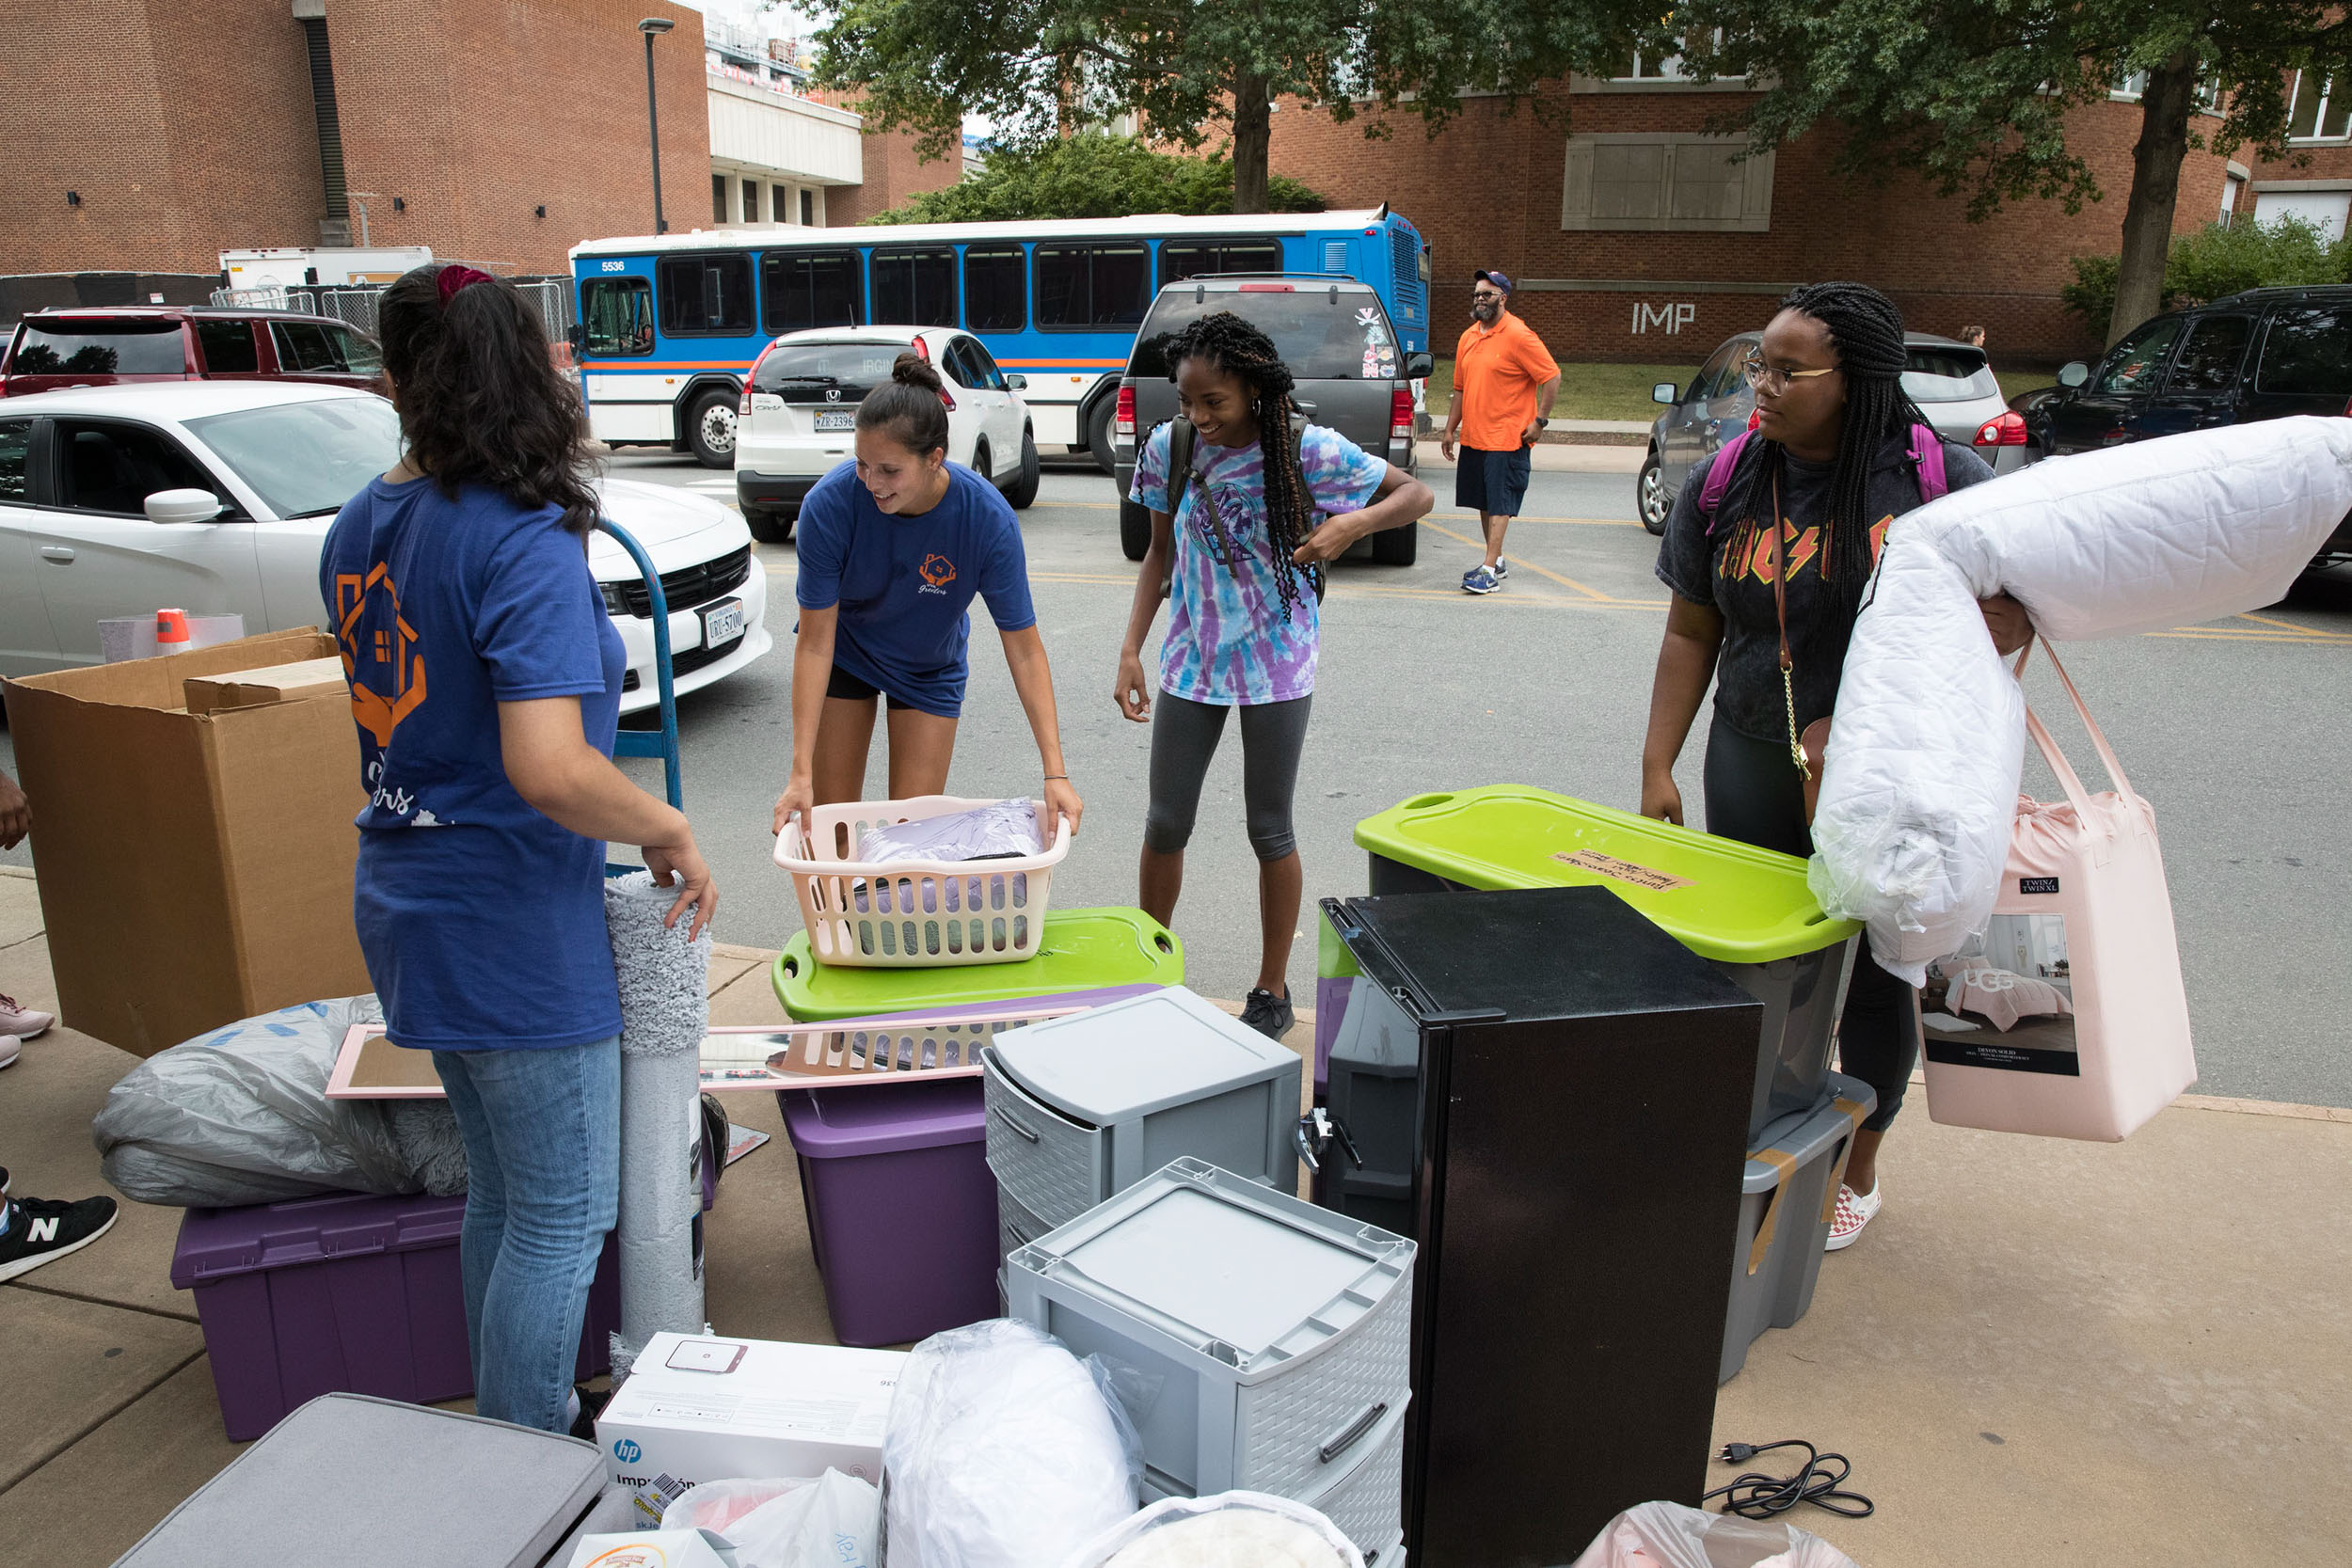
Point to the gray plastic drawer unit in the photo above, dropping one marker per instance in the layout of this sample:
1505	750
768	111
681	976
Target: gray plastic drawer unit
1085	1106
1275	1334
1787	1201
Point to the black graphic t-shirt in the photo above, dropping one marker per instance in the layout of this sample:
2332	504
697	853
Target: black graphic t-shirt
1733	570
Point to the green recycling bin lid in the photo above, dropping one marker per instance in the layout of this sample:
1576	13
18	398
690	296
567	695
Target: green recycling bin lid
1082	950
1721	899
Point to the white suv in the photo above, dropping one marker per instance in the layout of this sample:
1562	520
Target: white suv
798	419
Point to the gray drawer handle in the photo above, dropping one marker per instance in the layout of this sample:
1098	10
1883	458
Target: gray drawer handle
1006	1116
1353	1434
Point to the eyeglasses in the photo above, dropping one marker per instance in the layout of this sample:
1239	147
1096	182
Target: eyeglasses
1485	296
1772	378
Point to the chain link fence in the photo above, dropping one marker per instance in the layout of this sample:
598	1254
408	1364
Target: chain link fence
356	305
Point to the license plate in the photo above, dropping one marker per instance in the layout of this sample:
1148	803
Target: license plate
722	622
837	419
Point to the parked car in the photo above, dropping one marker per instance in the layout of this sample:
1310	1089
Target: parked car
121	500
51	350
797	418
1342	350
1949	381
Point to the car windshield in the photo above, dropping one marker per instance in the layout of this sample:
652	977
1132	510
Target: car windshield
809	371
1319	337
128	347
1935	372
306	459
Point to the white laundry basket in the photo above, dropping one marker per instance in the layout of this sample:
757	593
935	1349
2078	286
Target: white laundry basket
914	914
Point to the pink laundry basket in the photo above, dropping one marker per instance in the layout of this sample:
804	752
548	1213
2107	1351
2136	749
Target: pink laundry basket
914	914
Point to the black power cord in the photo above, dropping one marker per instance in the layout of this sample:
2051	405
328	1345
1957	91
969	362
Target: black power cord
1758	1495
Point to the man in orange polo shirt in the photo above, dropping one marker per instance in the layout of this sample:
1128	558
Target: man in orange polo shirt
1503	384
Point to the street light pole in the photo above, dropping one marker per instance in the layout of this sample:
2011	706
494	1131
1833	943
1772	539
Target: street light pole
651	27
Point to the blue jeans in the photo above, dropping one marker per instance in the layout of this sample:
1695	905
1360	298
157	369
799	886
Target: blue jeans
541	1130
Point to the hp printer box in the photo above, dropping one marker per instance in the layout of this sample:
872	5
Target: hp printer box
695	1408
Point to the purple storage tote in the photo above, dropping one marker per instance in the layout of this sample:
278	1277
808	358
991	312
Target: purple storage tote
350	1293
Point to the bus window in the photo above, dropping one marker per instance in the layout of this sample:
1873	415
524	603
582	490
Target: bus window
914	288
617	314
1092	287
995	289
706	296
1182	259
811	288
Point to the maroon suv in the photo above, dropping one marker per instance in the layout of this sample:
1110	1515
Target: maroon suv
98	347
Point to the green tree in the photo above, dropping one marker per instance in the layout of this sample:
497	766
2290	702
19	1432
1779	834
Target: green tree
1043	69
1975	94
1090	175
2217	260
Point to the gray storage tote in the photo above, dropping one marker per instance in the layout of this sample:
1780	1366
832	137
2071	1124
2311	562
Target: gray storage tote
1786	1202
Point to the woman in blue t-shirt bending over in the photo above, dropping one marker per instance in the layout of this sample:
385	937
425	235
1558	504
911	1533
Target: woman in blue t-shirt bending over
486	678
892	549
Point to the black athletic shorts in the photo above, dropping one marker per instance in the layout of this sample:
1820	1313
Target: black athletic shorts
851	689
1492	482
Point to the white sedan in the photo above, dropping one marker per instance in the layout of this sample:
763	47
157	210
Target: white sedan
214	496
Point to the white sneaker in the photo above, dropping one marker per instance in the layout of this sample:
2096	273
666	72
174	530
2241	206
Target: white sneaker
9	1045
23	1022
1854	1211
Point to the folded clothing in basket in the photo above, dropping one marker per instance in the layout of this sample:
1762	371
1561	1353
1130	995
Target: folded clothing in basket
1002	829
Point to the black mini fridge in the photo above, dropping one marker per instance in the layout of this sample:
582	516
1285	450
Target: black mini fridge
1550	1095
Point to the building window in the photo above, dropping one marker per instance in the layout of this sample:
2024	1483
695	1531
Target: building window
1647	67
2325	209
717	199
2232	188
779	204
616	314
995	289
812	288
750	202
916	288
706	296
1666	181
2321	110
808	209
1182	259
1092	287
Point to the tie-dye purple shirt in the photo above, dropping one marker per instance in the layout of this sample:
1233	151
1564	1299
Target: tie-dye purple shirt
1227	641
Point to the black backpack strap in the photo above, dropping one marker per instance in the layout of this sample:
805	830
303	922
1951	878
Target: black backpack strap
1180	435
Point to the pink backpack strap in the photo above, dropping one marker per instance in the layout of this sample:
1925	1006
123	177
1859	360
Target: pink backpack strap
1927	460
1719	470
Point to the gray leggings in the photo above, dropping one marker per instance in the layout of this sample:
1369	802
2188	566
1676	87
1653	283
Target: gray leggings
1183	739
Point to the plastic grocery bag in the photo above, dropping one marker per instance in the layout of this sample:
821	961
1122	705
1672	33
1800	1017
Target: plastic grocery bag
241	1115
831	1522
1668	1535
1229	1530
1002	1450
1000	830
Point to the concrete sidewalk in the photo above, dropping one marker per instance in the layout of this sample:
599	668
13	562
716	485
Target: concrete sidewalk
2041	1352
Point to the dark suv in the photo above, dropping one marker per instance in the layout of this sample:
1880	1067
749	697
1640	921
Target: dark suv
52	350
1337	339
2262	354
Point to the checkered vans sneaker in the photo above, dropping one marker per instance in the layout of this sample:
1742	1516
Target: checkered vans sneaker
1854	1211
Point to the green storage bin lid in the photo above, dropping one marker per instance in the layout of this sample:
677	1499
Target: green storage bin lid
1082	950
1721	899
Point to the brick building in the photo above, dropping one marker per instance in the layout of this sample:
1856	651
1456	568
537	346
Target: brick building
1635	237
149	138
2314	180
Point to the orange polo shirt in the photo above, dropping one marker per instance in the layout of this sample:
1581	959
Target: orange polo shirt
1496	371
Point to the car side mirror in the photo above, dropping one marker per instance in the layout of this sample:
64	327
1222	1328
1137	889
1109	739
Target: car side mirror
1419	367
2073	374
183	506
1666	392
1017	383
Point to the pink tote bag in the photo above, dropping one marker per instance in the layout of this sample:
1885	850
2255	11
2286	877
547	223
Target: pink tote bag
2067	1016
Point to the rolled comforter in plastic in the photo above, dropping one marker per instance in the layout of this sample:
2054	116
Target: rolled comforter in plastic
1927	741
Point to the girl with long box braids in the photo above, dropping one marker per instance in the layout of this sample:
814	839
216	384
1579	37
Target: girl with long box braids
1269	501
1838	453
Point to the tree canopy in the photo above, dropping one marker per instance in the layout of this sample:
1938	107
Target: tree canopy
2216	260
1091	175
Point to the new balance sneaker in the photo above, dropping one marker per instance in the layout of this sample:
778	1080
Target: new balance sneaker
35	1231
10	1046
21	1021
1271	1015
1481	580
1854	1211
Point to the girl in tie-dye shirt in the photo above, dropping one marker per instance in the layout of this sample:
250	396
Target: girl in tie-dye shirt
1242	558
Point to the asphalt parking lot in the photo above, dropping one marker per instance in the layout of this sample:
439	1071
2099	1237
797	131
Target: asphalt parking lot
2232	729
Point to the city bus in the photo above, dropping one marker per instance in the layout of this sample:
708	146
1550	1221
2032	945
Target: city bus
670	324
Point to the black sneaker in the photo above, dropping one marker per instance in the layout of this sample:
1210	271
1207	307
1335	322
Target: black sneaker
592	1405
41	1231
1271	1015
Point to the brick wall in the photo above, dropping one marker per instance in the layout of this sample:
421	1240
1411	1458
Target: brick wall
1487	192
893	173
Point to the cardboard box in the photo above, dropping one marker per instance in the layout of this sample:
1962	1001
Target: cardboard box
194	868
280	683
697	1408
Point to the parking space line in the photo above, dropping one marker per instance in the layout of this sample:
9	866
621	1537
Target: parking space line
1593	594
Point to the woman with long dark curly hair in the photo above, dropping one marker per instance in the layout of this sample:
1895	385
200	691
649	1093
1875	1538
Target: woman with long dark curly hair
1838	452
1269	501
485	679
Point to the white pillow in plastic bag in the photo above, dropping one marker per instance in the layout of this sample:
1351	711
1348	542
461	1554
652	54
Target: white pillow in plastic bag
1229	1530
995	832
